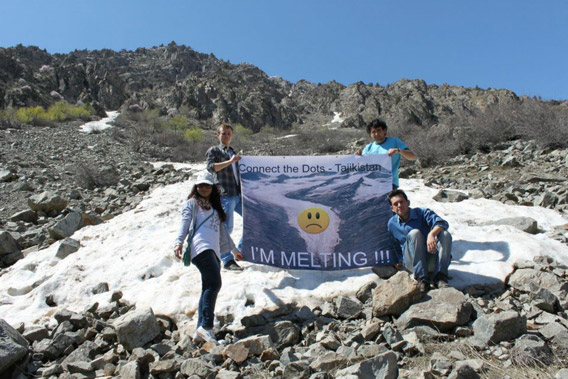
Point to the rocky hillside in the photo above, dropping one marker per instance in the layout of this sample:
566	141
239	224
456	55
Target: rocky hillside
209	90
389	330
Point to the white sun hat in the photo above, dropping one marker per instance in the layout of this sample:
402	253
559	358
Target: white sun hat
204	177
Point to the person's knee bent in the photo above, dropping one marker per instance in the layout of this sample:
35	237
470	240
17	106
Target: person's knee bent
445	239
415	236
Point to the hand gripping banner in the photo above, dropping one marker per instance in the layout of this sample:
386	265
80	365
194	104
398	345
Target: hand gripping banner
317	212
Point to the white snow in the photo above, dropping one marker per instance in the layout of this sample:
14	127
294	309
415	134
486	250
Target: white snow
102	124
133	253
337	118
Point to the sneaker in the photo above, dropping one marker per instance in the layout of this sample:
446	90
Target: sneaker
423	285
197	338
441	281
233	266
206	334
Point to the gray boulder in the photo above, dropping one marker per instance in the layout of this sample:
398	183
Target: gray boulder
256	344
130	370
10	251
382	366
450	196
525	280
36	333
7	176
348	308
197	367
67	247
26	216
446	309
497	327
531	350
285	333
384	272
394	296
47	202
66	227
546	200
137	328
526	224
13	346
329	361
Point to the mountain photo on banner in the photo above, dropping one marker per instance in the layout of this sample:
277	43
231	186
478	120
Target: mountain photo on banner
317	212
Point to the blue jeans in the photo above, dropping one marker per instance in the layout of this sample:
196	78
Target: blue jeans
419	261
208	265
230	205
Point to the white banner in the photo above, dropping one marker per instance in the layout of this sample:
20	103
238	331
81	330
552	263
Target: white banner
317	212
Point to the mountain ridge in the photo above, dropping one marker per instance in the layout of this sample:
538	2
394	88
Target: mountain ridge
208	90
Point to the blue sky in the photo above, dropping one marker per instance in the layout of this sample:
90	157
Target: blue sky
520	45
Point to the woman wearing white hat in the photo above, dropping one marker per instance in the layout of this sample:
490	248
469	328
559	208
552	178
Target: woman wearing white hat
203	226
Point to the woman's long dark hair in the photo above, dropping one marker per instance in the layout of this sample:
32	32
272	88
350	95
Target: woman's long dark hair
214	200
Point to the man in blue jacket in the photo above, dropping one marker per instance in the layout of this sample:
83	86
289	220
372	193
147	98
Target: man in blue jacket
424	240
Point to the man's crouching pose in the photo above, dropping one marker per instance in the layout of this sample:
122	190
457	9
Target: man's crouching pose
424	240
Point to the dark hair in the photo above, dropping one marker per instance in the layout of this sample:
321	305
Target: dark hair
397	192
214	200
376	123
223	126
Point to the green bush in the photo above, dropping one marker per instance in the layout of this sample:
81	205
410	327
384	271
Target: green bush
193	135
242	131
30	114
179	122
60	111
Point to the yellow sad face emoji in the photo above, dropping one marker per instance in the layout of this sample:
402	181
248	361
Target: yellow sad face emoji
313	220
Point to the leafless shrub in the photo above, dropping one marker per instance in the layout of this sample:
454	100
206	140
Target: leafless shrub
469	132
546	123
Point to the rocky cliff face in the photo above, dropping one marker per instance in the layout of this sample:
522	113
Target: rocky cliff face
176	78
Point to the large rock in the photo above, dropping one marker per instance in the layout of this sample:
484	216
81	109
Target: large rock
446	309
394	296
67	247
285	333
10	251
255	344
197	367
13	346
137	328
497	327
348	308
526	224
382	366
47	202
7	176
26	216
66	227
329	361
450	196
531	350
526	279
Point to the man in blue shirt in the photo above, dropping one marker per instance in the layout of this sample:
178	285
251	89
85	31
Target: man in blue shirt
382	144
424	240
